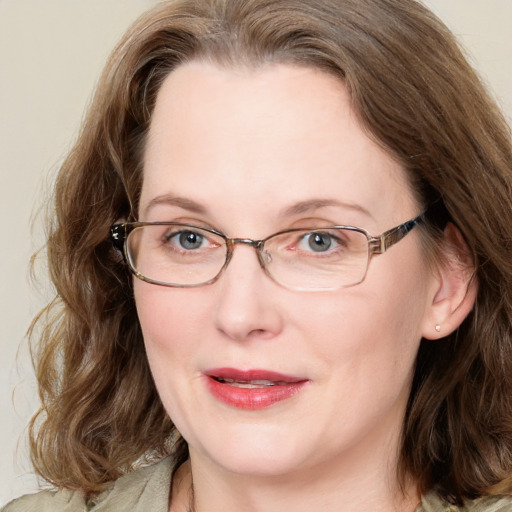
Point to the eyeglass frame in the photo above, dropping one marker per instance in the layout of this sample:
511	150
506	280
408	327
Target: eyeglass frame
120	231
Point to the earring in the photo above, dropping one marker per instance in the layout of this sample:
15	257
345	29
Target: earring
438	328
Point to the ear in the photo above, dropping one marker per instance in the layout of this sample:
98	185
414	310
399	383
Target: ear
455	289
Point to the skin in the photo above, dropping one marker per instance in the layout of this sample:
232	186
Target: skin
245	145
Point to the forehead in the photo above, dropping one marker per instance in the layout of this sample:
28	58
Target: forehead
259	140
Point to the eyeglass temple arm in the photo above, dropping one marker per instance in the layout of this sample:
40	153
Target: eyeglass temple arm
382	243
118	236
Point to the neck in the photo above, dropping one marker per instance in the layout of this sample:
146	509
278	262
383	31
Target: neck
200	486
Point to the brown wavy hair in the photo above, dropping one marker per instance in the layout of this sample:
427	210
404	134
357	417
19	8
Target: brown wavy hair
416	95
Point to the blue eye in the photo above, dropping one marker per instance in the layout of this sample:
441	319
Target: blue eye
188	240
318	242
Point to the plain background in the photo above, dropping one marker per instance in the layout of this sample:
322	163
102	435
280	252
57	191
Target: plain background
51	54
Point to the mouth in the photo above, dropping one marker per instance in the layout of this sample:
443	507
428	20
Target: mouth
252	389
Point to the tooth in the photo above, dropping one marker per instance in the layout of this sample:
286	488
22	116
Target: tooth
250	383
253	384
262	382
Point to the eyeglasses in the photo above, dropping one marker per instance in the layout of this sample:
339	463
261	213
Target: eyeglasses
312	259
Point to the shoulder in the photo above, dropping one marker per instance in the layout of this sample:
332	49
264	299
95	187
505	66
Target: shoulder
48	501
144	489
432	503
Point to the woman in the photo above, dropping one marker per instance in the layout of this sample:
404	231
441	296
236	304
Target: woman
282	255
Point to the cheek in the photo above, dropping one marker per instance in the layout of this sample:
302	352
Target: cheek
172	331
171	327
371	331
357	320
165	313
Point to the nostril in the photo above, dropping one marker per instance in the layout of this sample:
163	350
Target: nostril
255	333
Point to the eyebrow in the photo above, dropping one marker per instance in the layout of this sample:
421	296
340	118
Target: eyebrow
172	200
316	204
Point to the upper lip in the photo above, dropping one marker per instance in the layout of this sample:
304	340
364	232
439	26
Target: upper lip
252	375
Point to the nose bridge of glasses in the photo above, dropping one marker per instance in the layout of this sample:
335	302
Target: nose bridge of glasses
246	241
256	244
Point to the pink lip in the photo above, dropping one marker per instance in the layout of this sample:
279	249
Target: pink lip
252	398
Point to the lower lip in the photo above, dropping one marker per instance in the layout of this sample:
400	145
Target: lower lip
253	398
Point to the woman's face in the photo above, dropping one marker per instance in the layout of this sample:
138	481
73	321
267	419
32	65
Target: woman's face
250	153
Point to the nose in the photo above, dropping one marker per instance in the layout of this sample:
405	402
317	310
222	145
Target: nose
248	305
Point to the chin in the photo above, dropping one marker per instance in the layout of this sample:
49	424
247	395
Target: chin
258	465
255	454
